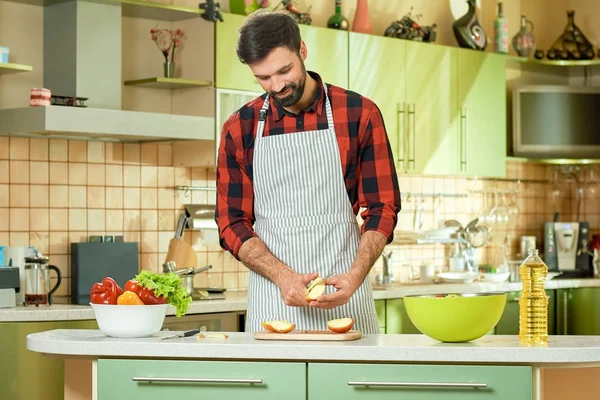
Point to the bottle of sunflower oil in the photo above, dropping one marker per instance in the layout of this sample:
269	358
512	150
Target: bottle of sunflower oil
533	304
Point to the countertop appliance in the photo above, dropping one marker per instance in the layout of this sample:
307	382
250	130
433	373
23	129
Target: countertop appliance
9	286
566	249
556	121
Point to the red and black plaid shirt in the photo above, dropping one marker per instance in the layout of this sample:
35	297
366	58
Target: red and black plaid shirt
366	156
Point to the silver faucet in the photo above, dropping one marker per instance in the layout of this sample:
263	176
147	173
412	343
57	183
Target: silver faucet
385	278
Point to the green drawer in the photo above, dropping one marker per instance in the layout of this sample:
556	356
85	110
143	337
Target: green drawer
417	382
222	380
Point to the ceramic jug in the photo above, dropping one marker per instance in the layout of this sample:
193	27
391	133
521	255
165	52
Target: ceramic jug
524	42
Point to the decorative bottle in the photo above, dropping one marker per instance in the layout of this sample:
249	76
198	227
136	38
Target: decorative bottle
524	42
337	20
533	303
501	31
362	22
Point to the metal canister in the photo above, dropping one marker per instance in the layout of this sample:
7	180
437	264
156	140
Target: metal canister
528	243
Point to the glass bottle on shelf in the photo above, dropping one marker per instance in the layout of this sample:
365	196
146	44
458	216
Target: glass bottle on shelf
337	20
501	31
533	303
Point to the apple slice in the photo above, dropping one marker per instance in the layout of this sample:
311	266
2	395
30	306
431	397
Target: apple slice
267	326
315	289
340	325
282	326
213	335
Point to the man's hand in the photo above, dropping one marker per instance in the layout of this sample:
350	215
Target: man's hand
346	285
293	287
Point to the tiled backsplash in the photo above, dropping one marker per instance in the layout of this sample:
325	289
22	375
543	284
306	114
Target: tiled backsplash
54	192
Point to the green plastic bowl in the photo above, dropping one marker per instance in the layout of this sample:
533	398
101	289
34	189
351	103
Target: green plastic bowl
455	319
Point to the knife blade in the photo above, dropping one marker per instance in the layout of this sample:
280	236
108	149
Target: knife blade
182	334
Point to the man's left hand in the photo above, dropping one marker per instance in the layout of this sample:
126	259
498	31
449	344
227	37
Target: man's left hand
346	285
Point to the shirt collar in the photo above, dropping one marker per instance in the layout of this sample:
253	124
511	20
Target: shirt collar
316	105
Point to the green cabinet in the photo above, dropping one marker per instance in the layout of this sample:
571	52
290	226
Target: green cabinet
431	108
27	375
444	108
380	309
327	55
578	311
509	322
418	382
373	74
397	320
166	379
482	113
230	73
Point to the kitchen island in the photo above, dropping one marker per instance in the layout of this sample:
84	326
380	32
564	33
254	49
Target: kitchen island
373	367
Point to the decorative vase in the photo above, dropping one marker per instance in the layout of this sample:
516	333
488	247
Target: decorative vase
524	42
337	20
572	44
169	69
362	22
468	31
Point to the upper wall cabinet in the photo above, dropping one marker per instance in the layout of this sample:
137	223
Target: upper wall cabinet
443	107
482	102
327	55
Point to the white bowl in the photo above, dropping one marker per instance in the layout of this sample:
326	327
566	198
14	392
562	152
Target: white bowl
458	277
124	321
496	277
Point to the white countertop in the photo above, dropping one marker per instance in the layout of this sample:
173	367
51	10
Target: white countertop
371	348
234	301
237	300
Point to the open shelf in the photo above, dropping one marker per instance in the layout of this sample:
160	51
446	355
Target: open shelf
557	63
168	83
9	68
103	124
136	9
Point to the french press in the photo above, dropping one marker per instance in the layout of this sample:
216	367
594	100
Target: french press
37	280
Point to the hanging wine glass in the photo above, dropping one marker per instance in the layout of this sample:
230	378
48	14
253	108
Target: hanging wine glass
591	184
556	194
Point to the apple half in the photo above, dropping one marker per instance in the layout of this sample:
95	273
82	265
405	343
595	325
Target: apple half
282	326
315	289
340	325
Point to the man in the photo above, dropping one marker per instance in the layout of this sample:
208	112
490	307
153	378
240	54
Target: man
294	167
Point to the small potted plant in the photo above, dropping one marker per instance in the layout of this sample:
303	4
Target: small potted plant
167	41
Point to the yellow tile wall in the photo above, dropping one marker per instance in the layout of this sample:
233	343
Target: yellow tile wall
54	192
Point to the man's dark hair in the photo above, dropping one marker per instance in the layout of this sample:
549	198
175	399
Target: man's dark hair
263	31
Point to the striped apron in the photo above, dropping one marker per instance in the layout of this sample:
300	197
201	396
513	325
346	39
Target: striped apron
305	219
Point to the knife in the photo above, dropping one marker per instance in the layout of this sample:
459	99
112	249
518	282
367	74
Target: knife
182	334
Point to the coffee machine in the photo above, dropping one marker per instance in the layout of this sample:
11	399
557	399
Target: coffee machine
9	286
566	249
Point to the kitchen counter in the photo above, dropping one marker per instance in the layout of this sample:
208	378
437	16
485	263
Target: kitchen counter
490	349
237	300
101	368
234	301
399	291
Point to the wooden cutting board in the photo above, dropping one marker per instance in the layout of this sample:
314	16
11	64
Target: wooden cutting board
308	335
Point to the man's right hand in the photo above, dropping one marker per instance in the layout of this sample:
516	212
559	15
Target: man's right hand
293	287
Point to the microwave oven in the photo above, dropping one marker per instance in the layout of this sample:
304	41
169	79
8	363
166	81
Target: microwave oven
556	121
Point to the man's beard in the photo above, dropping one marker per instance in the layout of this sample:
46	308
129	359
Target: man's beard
297	90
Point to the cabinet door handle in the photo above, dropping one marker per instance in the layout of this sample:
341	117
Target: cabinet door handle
151	379
421	384
412	116
565	312
464	138
400	131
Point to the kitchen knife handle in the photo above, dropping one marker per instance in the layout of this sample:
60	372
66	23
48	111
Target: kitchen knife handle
421	384
194	380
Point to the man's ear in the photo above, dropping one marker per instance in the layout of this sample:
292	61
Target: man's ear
303	50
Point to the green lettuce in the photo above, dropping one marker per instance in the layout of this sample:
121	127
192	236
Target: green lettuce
167	285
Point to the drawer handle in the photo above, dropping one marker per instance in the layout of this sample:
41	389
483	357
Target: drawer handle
422	384
194	380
